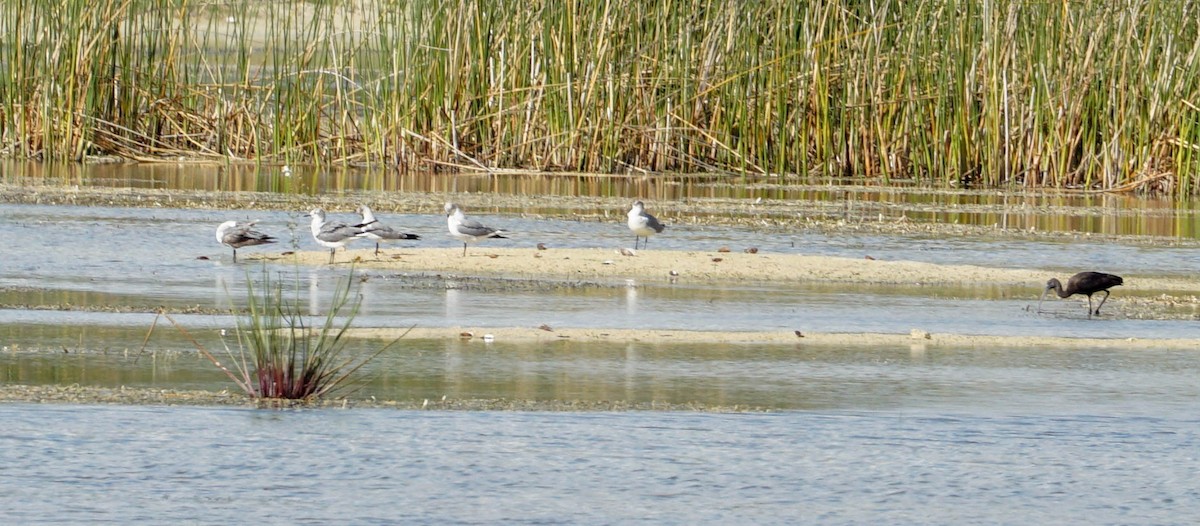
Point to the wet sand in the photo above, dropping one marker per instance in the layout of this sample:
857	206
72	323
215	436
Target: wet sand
915	339
697	267
77	394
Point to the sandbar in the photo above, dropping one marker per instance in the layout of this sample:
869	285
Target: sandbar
1141	296
699	267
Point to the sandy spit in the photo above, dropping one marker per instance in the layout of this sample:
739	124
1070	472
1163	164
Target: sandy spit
77	394
915	339
700	267
707	267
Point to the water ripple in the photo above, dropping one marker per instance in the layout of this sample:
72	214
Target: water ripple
126	464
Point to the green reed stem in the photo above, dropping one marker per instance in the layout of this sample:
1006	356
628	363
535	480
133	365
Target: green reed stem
984	92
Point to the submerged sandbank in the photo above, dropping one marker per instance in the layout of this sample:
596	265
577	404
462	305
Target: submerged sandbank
917	338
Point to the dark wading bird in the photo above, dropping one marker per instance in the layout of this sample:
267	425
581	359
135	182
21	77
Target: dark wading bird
237	235
1087	283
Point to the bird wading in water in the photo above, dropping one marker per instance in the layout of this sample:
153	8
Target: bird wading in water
1086	283
236	235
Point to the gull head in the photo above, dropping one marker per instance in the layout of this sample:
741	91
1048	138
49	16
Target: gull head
365	212
223	229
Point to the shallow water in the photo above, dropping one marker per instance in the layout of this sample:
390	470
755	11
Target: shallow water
69	464
779	377
1119	214
148	257
899	433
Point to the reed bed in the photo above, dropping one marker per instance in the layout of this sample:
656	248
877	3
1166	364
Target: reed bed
1092	95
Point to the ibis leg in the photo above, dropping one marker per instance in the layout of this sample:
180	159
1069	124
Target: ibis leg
1102	300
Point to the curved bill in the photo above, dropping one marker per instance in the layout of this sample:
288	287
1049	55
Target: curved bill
1044	292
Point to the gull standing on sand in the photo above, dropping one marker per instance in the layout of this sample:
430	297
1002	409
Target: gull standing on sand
373	229
642	224
237	235
332	234
468	230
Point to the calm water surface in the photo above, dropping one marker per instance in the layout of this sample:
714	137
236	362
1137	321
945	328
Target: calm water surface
68	464
1121	214
902	435
1151	382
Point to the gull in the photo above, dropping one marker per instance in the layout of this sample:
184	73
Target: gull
238	234
332	234
468	230
373	229
642	224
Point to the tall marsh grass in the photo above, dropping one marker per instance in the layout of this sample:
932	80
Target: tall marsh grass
1098	95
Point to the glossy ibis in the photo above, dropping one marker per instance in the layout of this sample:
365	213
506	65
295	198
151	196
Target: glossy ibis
236	235
373	229
1087	283
642	224
468	230
332	234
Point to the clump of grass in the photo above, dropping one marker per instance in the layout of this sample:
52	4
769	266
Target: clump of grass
281	355
292	360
